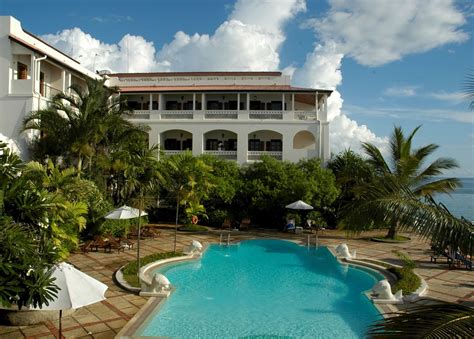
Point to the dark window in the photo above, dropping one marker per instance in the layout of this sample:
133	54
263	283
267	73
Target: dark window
172	105
22	70
187	144
133	104
232	104
275	145
42	83
255	105
172	145
188	106
212	144
212	104
255	145
276	106
231	145
155	105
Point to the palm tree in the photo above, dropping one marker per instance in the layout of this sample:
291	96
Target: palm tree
407	167
78	125
429	321
187	180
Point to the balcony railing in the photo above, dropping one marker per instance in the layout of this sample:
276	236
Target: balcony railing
257	155
172	152
220	114
140	114
266	115
229	155
303	115
176	114
48	91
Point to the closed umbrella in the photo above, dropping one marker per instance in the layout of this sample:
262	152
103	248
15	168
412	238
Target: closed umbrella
127	212
76	289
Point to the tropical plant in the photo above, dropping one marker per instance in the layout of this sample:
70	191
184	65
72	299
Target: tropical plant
187	181
270	185
404	170
25	268
80	125
350	170
428	321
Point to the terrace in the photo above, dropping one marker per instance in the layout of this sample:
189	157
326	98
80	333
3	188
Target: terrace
107	318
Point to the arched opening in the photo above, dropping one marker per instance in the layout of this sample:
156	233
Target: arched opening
176	141
221	143
304	140
264	142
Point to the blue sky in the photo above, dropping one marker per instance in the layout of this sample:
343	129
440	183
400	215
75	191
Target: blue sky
405	69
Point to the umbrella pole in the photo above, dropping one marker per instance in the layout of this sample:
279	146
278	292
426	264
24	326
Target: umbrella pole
60	324
138	242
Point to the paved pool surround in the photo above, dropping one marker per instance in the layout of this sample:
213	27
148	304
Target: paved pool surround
107	318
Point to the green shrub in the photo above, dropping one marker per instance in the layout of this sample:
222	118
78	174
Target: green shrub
130	270
217	217
408	281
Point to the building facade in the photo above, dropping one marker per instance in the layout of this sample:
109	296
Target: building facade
239	116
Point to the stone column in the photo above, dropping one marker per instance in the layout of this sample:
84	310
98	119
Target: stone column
242	147
324	152
198	143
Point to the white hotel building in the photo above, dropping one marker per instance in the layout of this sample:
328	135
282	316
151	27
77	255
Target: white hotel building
234	115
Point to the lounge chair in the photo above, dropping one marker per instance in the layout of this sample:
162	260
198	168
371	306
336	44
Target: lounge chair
100	242
86	246
227	224
244	224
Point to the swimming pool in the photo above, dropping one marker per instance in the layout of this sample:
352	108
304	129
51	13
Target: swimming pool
264	288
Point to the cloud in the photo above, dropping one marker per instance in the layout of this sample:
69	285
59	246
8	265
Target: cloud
375	33
132	53
414	113
403	91
453	97
112	18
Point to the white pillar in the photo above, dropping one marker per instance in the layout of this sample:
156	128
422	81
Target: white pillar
316	104
283	101
292	101
198	143
203	102
248	102
238	102
324	153
287	147
194	102
153	137
63	81
242	147
150	105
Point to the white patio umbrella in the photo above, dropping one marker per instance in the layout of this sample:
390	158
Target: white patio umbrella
76	289
299	205
127	212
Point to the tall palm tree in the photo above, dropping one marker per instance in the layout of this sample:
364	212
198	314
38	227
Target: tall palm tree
187	180
408	167
77	125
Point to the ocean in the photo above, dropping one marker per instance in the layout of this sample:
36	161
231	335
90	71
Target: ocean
461	202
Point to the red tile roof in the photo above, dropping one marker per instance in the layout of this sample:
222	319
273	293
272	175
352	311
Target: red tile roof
218	88
174	74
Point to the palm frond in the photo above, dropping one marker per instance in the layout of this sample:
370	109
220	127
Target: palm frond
429	321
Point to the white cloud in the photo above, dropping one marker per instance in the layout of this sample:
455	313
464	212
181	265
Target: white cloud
401	91
453	97
132	53
414	113
378	32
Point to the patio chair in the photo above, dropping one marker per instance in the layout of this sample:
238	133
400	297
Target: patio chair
100	242
86	246
227	224
149	232
128	244
244	224
115	244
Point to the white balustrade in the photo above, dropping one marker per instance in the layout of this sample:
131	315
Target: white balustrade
221	114
140	114
305	115
230	155
172	152
257	155
177	114
278	115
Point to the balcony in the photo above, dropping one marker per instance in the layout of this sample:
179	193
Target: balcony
276	115
184	114
21	87
257	155
228	155
221	114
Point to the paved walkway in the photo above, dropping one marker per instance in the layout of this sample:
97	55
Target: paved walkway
106	319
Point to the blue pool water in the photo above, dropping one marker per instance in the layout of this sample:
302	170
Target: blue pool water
265	288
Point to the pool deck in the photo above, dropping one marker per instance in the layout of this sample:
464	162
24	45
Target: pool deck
105	319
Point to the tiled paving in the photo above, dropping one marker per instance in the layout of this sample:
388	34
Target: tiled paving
107	318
